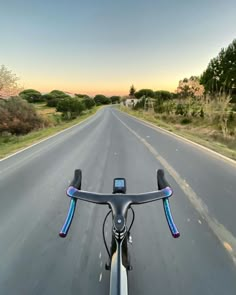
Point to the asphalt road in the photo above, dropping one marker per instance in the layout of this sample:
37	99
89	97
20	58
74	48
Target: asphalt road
33	205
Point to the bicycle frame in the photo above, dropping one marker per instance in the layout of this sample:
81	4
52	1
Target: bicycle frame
118	274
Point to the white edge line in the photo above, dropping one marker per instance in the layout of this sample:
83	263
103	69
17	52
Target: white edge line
38	142
182	138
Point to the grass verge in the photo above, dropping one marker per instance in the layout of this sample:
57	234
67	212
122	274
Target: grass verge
194	134
13	144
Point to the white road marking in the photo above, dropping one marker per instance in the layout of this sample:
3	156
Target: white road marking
199	221
100	255
100	277
101	264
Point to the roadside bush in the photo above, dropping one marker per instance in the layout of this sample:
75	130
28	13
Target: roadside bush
70	107
18	117
180	110
88	102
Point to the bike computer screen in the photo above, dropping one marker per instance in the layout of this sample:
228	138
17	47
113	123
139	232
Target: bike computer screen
119	186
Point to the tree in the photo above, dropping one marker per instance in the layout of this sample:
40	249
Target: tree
88	102
54	97
190	87
163	95
8	83
101	99
70	107
220	74
82	95
144	92
115	99
132	91
31	95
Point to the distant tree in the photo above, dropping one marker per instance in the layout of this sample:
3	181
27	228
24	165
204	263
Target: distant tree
101	99
144	92
8	83
132	91
31	95
115	99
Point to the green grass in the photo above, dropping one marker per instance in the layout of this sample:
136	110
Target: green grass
11	144
193	134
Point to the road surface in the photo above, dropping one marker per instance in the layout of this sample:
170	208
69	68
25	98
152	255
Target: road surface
33	205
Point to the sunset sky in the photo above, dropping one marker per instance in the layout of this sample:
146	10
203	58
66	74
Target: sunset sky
104	46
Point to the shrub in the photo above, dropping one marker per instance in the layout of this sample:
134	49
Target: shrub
88	102
18	117
180	109
70	108
101	99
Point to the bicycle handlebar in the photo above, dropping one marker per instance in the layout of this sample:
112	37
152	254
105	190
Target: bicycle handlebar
162	183
119	204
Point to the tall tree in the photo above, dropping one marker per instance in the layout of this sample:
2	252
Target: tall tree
220	74
132	91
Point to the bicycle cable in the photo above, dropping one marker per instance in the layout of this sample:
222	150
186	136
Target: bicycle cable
103	233
103	229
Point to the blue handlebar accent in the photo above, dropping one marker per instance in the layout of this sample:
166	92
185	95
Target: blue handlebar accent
66	226
174	231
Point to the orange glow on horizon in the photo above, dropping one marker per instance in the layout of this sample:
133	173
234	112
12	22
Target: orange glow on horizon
106	90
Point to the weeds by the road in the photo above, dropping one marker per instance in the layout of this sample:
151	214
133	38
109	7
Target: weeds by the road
197	130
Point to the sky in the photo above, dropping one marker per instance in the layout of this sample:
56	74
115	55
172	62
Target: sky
105	46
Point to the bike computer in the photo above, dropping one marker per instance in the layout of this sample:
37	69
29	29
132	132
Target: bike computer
119	186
